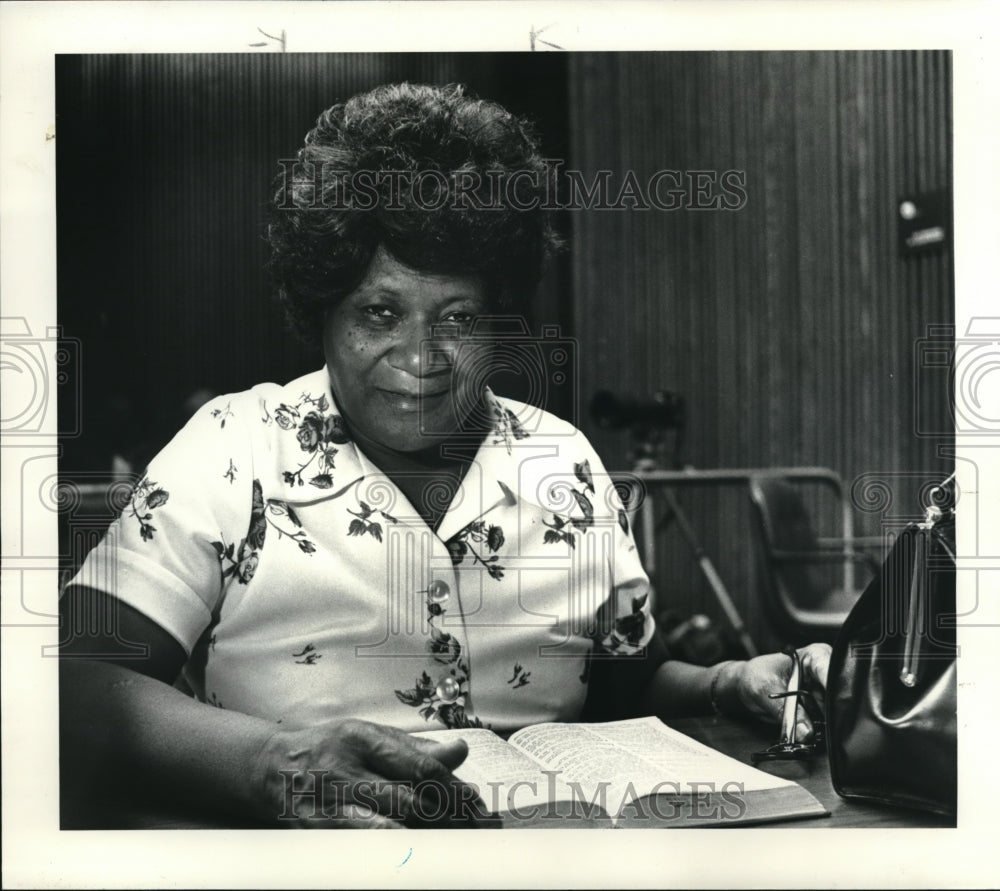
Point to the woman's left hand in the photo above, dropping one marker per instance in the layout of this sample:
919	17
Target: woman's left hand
750	685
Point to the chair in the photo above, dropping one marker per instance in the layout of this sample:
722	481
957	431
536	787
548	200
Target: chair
805	603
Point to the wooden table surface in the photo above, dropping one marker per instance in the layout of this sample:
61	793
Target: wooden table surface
740	740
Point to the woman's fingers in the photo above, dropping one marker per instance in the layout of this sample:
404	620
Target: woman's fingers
396	755
816	664
815	660
769	676
450	754
430	792
762	677
363	798
461	795
342	801
360	773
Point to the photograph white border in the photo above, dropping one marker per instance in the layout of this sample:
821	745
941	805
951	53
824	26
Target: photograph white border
37	854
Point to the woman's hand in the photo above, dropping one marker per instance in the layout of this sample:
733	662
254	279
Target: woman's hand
357	774
748	686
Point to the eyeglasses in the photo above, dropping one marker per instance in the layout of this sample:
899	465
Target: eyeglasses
788	748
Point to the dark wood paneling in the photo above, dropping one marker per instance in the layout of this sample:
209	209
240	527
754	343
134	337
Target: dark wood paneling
164	170
790	325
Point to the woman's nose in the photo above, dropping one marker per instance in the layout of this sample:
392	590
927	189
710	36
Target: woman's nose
423	350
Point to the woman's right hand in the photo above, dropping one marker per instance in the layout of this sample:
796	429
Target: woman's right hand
357	774
126	720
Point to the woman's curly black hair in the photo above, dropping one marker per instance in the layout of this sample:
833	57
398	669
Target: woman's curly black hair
474	163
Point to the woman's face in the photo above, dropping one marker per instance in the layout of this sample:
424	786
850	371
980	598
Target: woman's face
391	349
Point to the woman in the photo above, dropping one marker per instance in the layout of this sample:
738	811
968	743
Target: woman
384	545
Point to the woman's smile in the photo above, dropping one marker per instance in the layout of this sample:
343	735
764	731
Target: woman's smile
413	402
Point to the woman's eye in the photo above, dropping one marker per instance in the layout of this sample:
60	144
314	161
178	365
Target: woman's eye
459	318
378	312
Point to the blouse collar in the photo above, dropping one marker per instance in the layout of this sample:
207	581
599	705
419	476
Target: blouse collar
313	433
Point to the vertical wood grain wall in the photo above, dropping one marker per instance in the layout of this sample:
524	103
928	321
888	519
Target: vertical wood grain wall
789	326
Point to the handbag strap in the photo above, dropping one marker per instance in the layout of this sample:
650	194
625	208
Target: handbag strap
914	620
942	502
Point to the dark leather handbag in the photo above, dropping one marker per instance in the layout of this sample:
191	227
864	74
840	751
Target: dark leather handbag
892	691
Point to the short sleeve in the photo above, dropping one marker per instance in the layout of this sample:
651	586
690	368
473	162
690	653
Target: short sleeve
624	624
182	536
628	647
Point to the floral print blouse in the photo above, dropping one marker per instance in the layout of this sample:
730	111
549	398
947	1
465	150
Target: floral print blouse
304	586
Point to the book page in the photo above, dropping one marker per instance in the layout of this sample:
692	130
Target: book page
672	755
635	758
595	768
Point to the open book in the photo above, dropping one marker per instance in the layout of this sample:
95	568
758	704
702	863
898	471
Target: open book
635	773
